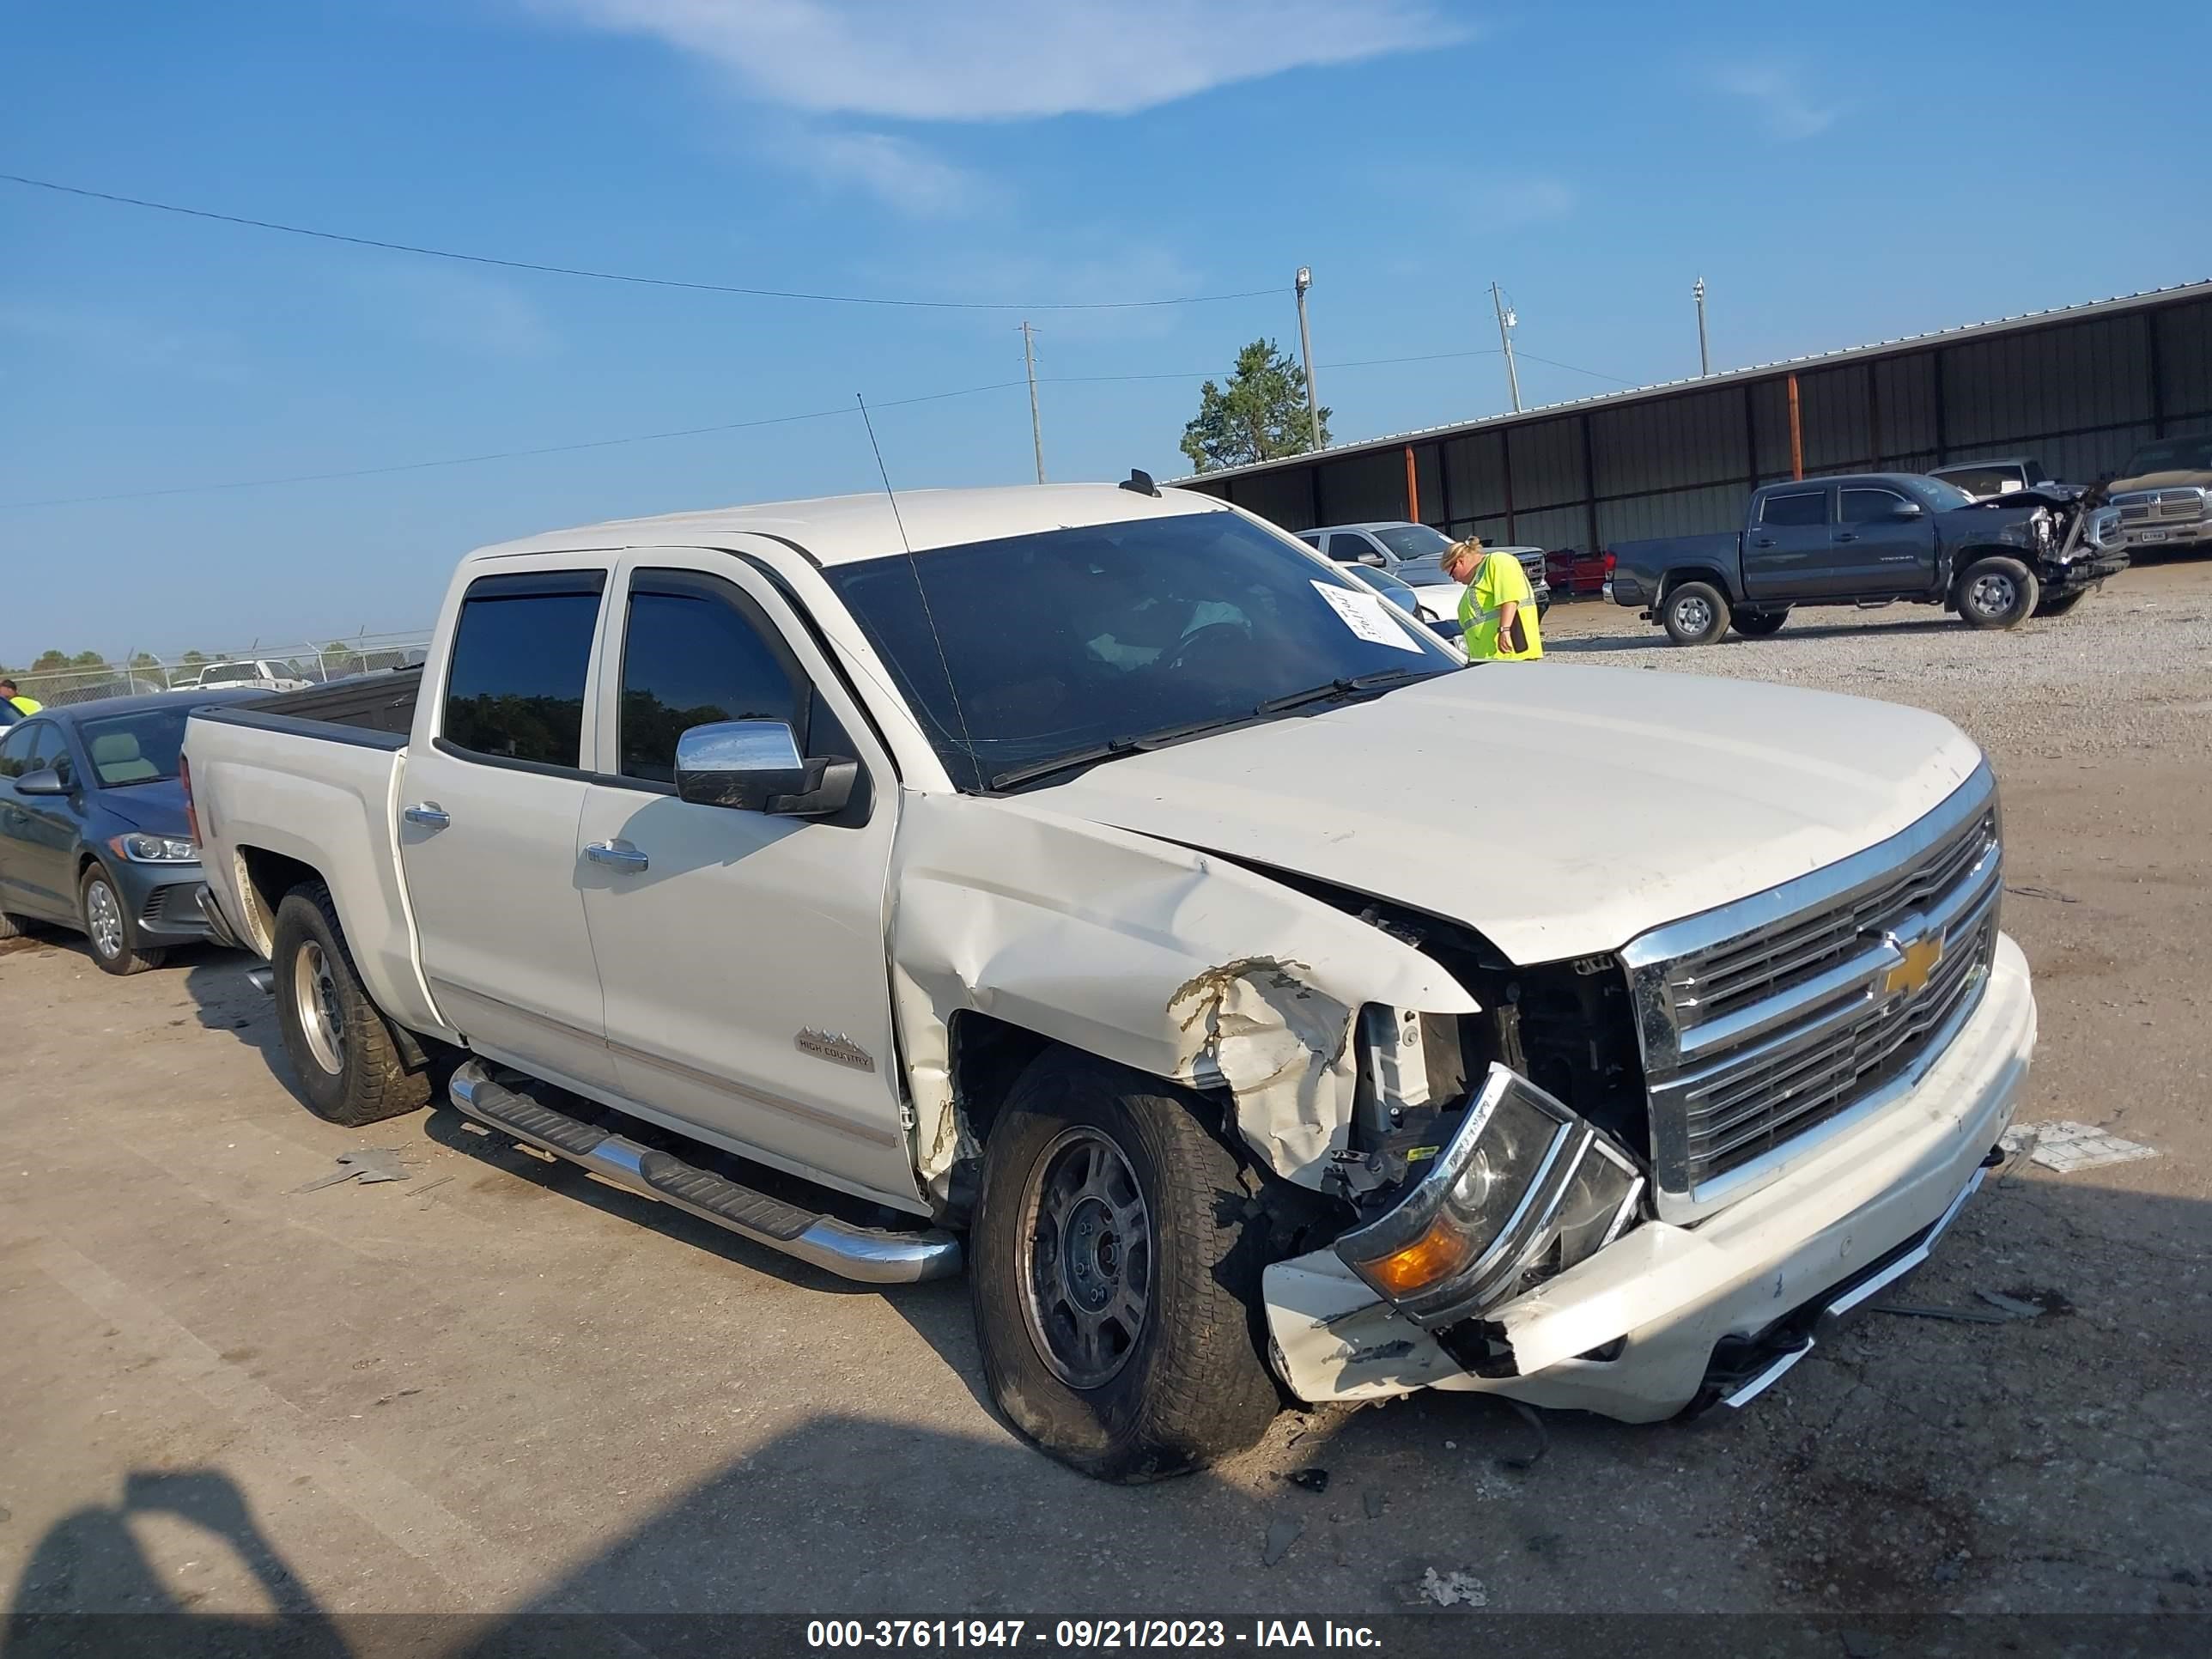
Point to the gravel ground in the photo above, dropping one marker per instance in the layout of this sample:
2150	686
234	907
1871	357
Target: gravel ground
2116	673
499	1386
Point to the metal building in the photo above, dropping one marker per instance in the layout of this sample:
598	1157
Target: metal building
2078	388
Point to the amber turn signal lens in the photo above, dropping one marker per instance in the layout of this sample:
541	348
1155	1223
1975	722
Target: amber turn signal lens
1437	1253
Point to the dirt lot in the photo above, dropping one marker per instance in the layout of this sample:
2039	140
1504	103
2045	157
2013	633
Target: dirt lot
490	1388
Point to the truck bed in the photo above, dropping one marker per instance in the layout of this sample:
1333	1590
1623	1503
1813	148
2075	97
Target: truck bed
305	783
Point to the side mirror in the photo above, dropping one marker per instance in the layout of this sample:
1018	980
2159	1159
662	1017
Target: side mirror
1908	510
755	766
44	782
1373	558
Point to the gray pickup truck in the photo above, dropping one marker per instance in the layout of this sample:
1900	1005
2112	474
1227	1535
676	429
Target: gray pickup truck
2163	496
1871	539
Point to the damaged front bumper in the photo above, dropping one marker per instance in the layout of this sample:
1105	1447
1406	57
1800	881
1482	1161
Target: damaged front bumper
1636	1329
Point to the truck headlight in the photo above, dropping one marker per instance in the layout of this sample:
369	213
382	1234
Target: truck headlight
155	849
1524	1187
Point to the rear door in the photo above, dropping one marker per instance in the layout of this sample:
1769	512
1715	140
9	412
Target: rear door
489	807
1882	549
1786	549
742	954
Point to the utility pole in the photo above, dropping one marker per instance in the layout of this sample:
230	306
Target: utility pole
1306	353
1704	358
1506	319
1037	430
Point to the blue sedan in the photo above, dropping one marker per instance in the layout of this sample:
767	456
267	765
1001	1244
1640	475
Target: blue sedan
93	828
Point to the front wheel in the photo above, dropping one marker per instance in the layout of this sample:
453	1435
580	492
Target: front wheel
1997	593
1760	624
108	926
1695	613
349	1070
1114	1287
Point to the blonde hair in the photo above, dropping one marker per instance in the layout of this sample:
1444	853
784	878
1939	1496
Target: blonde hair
1471	547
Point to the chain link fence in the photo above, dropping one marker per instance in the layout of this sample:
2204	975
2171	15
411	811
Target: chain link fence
274	666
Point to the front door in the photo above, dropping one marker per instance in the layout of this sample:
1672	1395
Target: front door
1786	551
489	807
37	833
1883	550
742	954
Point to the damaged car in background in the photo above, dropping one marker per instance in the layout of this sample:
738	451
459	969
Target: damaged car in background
1091	885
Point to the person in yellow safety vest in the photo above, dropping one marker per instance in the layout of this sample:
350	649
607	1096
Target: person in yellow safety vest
1499	606
24	705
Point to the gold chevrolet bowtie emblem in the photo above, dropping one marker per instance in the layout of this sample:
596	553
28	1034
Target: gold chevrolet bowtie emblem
1912	975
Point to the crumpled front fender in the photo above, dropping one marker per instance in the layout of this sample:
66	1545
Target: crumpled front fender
1175	963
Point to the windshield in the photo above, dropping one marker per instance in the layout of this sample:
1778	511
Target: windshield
1050	645
229	673
1982	480
2174	455
143	748
1414	541
1940	496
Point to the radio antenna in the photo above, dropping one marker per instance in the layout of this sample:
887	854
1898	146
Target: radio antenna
922	592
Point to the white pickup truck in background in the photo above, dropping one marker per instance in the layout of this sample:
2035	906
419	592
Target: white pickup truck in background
1097	883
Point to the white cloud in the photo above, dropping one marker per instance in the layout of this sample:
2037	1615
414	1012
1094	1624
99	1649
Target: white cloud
458	309
980	60
904	175
1501	204
1777	92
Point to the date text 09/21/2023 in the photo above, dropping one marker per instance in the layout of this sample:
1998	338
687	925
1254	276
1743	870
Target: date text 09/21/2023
927	1634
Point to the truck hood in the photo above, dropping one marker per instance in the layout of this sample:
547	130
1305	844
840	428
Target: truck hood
1559	811
2185	479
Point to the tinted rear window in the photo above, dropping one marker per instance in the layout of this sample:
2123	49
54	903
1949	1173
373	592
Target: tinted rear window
521	654
1808	506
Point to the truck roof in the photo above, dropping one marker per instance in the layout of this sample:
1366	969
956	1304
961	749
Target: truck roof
842	529
1824	479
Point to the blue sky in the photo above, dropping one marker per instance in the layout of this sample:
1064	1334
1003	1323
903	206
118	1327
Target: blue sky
1837	174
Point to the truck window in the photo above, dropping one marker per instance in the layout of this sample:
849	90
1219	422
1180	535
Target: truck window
522	649
1799	507
696	650
1347	547
1869	506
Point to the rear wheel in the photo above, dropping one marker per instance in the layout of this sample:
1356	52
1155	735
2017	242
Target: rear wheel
1115	1289
1695	613
2058	605
12	927
1997	593
349	1069
1760	624
107	925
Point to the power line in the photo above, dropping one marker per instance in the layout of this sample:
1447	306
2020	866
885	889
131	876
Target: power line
494	455
707	431
619	276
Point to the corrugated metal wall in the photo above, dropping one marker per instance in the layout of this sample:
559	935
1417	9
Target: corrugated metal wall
2079	395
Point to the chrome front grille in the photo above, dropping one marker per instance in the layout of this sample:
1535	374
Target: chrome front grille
2154	507
1767	1021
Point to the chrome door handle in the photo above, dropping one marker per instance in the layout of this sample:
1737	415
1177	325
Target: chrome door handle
430	815
619	858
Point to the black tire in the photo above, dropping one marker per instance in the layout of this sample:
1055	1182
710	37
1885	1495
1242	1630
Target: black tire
1760	624
2058	605
1188	1385
1996	593
1695	613
369	1081
13	926
109	926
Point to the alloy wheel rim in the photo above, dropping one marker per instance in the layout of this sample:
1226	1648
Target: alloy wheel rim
1087	1258
315	1001
1993	594
105	916
1695	615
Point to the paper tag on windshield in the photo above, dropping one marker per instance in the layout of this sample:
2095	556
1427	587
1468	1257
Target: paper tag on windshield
1368	615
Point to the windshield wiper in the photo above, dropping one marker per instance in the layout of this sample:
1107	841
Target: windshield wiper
1342	688
1113	748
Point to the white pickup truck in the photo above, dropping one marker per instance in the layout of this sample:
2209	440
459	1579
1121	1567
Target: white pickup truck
1096	881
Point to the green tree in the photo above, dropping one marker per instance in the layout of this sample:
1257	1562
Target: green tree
194	656
88	659
1260	415
144	659
49	661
